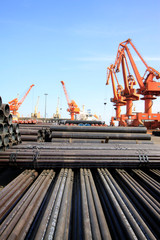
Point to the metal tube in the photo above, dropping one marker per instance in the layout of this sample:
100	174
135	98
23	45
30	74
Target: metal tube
83	135
5	139
120	214
135	213
5	128
20	188
128	214
11	185
82	121
29	138
12	219
54	216
16	127
61	224
8	119
21	229
87	232
1	116
28	132
92	212
1	128
6	109
100	215
47	215
10	129
98	129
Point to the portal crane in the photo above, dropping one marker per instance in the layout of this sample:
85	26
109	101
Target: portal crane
118	99
15	104
73	107
129	92
148	87
36	107
57	114
36	114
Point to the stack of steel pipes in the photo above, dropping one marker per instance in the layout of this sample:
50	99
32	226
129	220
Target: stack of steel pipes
11	193
82	204
9	133
95	134
34	133
39	155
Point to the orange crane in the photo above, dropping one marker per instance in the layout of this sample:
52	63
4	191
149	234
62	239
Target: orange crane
129	92
15	104
148	86
118	99
73	107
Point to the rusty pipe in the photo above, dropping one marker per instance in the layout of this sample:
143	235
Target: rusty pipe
6	110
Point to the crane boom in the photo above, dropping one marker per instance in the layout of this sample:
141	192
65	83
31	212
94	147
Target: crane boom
148	86
24	97
15	105
65	91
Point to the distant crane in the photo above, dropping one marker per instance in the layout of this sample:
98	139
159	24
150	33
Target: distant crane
15	104
35	114
73	107
57	114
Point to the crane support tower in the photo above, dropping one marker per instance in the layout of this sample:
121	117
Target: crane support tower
117	99
15	104
73	108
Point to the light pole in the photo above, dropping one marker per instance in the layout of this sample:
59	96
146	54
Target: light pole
45	104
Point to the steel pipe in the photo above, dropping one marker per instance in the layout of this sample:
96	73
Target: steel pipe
6	109
56	209
98	129
13	195
16	127
10	129
81	121
8	119
11	220
85	211
82	135
29	138
5	139
5	128
1	116
28	132
62	228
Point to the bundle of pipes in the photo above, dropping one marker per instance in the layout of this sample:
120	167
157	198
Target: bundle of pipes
34	134
11	193
71	155
92	132
86	204
9	133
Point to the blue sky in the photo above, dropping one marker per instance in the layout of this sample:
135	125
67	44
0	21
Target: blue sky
44	42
